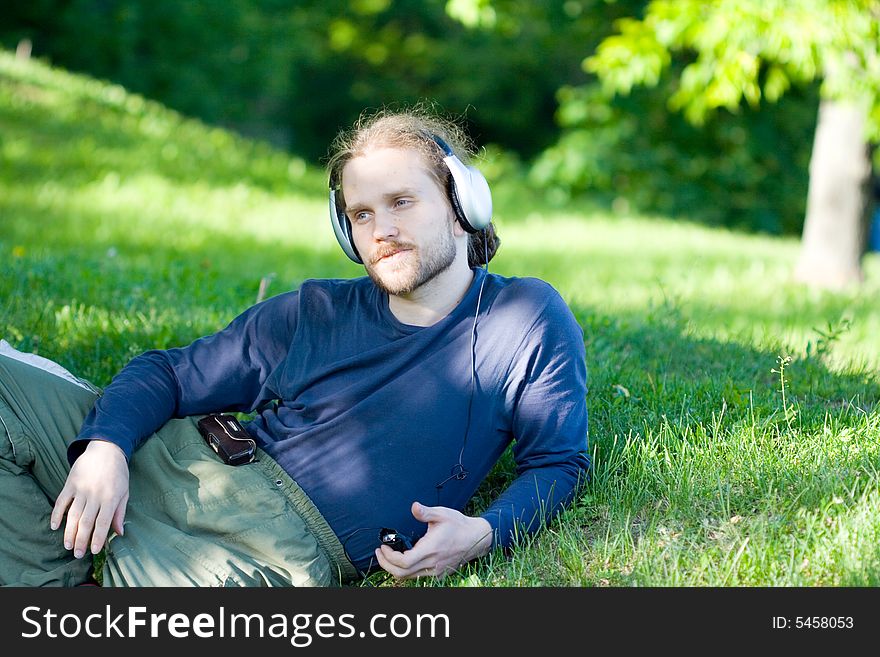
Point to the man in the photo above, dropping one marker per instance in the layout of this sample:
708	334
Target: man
380	404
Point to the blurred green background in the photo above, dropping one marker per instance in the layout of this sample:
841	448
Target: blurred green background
292	73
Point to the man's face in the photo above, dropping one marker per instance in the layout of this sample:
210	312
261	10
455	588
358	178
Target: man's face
401	221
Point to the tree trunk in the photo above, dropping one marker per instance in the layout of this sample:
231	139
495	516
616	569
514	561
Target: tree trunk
835	227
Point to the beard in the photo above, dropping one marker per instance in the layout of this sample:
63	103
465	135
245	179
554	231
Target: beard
417	266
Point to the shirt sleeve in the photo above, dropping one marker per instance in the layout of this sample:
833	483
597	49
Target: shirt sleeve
546	397
225	371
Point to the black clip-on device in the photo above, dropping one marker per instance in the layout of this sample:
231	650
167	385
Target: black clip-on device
394	539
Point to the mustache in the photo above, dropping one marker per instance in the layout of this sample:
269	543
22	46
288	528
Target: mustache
390	248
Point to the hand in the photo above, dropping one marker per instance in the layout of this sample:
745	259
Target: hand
94	498
452	540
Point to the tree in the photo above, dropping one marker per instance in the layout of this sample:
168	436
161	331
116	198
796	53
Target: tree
749	50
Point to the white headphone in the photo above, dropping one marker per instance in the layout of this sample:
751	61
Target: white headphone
468	192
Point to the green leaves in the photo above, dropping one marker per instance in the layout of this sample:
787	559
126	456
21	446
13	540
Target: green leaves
746	50
636	56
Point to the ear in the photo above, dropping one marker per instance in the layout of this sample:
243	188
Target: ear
457	229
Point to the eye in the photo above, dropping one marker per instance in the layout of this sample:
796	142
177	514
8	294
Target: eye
402	203
361	217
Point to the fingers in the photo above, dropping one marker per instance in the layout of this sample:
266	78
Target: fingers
424	513
88	525
118	523
78	528
61	504
392	562
419	512
402	564
80	520
101	529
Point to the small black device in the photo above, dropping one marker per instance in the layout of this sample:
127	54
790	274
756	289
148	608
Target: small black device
395	540
228	438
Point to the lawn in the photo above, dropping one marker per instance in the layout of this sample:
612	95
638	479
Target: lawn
734	417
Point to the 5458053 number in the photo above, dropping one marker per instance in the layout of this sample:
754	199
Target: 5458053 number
823	622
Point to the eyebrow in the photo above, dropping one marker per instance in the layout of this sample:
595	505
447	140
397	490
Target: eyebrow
405	191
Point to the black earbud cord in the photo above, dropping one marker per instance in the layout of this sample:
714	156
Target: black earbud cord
458	470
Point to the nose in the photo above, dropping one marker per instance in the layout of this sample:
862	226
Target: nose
385	226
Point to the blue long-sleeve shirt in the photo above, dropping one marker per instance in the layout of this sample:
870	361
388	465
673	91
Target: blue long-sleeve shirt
368	414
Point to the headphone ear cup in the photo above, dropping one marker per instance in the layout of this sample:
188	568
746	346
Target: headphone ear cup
470	195
342	230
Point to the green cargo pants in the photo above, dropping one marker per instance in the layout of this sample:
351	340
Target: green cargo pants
191	520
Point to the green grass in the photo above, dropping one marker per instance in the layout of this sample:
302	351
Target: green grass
734	418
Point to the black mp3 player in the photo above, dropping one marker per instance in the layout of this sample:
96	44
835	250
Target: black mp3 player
228	438
395	540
